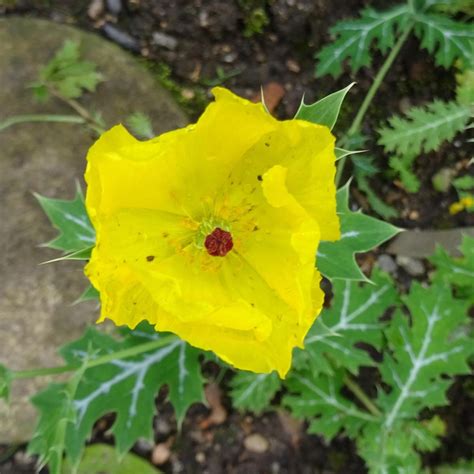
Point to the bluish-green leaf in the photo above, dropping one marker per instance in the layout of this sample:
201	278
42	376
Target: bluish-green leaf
356	37
140	125
318	397
446	39
359	233
325	111
70	218
354	317
128	387
68	74
252	391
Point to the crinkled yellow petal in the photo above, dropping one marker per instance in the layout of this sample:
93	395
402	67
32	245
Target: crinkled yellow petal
268	183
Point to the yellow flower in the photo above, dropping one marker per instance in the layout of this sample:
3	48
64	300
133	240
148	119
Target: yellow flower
465	202
211	231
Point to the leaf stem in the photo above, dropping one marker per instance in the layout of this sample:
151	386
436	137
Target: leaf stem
371	93
80	110
16	119
355	388
122	354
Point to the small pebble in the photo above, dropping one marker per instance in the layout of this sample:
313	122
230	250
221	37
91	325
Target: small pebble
162	427
412	266
256	443
120	37
387	263
200	458
161	453
164	40
95	9
143	446
293	66
230	57
114	6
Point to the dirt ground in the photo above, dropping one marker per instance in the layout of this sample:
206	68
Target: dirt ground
193	44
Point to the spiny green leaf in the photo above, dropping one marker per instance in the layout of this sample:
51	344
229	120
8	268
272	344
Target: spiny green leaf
359	233
424	128
5	382
353	318
456	271
380	207
76	233
364	169
341	152
403	166
423	353
56	416
465	87
318	397
447	39
56	412
356	37
140	125
250	391
68	74
325	111
392	452
103	459
128	387
89	294
461	467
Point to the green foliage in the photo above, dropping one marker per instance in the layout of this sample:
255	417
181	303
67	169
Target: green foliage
89	294
364	170
57	414
103	459
255	16
250	391
356	37
128	387
424	128
325	111
465	87
352	319
124	386
421	354
5	382
461	467
67	74
359	233
140	125
456	271
318	397
446	39
70	218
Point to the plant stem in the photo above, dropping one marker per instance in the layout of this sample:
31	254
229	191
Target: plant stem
40	118
371	93
80	110
123	354
354	387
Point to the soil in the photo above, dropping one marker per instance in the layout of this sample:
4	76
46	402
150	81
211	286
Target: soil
202	43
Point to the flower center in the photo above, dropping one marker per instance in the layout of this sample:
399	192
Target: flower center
219	242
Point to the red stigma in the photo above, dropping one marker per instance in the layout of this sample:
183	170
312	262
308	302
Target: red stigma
219	242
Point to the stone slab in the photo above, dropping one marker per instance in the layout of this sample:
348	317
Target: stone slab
422	243
36	315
